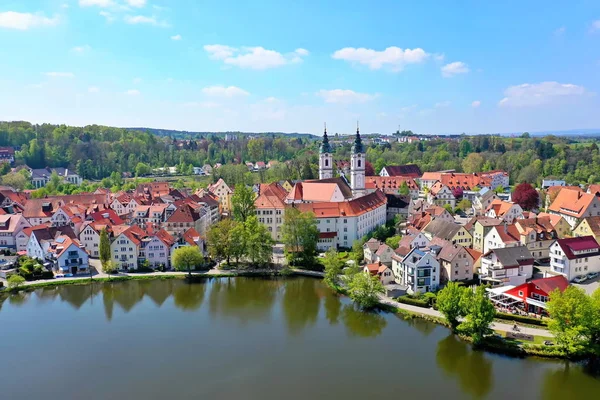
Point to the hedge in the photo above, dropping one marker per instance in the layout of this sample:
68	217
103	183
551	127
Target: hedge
413	302
523	319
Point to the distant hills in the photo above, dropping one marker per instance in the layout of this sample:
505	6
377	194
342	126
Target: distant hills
192	134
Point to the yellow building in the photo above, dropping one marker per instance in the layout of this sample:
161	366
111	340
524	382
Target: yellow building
589	226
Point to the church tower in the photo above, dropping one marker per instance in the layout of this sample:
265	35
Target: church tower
325	158
357	166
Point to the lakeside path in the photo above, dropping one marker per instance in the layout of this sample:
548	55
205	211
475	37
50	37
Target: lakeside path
498	326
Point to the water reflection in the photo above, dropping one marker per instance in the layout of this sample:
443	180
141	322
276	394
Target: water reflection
75	295
300	304
361	323
471	368
189	296
333	306
246	299
569	382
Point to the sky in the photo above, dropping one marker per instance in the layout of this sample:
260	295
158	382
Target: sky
433	67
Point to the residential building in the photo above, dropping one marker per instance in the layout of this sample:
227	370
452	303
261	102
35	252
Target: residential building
456	263
391	185
589	226
531	296
484	198
419	270
546	183
370	247
501	236
42	237
40	177
186	217
408	170
384	254
397	204
7	155
68	256
126	248
383	272
573	206
479	227
507	266
537	234
561	226
449	231
157	249
496	178
441	195
504	211
224	193
10	226
270	208
572	257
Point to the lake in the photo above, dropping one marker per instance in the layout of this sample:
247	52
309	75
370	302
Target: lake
248	338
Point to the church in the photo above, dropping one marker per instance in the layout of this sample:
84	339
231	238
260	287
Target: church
345	210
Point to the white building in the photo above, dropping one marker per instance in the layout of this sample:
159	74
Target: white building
576	256
507	266
157	249
419	270
10	226
69	256
126	248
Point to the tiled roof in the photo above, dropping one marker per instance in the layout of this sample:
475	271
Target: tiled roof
572	245
411	170
165	237
431	176
500	207
442	229
271	196
350	208
465	181
512	257
191	236
572	202
391	184
185	213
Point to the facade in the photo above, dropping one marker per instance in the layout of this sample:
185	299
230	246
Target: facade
126	248
573	257
449	231
507	266
392	185
456	263
479	227
589	226
370	247
224	193
483	199
533	295
441	195
383	272
357	167
69	256
504	211
546	183
40	177
10	226
574	205
270	207
418	270
157	249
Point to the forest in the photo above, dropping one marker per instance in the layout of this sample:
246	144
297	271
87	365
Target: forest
95	152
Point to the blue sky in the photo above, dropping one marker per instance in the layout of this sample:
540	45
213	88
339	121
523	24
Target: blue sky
430	66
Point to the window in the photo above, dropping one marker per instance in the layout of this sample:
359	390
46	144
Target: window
521	293
359	162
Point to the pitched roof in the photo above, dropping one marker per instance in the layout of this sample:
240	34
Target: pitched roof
554	218
135	234
594	224
165	237
271	196
436	211
571	246
484	221
397	200
594	189
500	207
431	176
389	184
185	213
62	244
449	251
191	236
443	229
549	284
511	257
382	249
50	233
350	208
373	268
436	188
373	244
475	254
540	225
411	170
572	202
508	233
465	181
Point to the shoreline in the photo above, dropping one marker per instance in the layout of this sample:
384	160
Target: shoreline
495	344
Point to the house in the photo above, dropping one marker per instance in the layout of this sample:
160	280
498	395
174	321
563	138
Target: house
537	234
331	190
449	231
572	257
456	263
125	203
428	179
414	239
41	176
157	249
479	227
68	256
126	248
270	207
483	199
208	170
41	237
507	266
341	223
224	193
546	183
40	211
504	210
464	181
408	170
383	272
497	178
589	226
89	237
561	226
531	296
259	165
502	236
438	212
419	270
573	206
186	217
594	189
441	195
370	247
392	185
10	226
7	155
191	237
553	191
152	190
397	204
384	254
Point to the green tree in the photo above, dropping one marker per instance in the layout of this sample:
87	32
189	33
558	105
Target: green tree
300	236
404	189
109	267
464	204
142	169
186	258
259	244
15	180
15	281
333	268
450	302
480	313
104	248
393	241
219	238
364	290
473	163
242	201
572	318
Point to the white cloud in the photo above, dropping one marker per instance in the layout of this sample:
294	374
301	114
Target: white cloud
476	104
443	104
535	94
93	89
24	21
60	74
140	19
96	3
137	80
224	91
109	17
253	57
345	96
560	31
81	49
136	3
455	68
393	57
132	92
271	99
176	37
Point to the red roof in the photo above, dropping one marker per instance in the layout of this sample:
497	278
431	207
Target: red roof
549	284
576	244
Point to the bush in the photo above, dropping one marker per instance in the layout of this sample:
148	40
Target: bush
47	275
406	299
521	318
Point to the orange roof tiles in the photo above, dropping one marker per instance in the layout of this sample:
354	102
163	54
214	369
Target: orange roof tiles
389	184
350	208
572	202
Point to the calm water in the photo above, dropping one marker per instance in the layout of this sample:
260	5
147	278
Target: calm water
247	339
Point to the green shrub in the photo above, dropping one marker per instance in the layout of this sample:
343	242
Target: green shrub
521	318
429	297
407	299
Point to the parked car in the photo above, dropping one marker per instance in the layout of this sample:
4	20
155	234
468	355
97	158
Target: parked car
592	275
580	279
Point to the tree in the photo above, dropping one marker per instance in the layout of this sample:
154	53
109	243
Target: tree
480	313
572	318
15	281
259	244
109	267
333	268
364	290
404	189
450	302
300	236
307	171
15	180
104	248
464	204
142	169
526	196
219	238
473	163
187	257
393	241
448	208
243	202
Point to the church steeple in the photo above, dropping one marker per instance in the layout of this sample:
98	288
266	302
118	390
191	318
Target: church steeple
357	147
357	166
325	158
